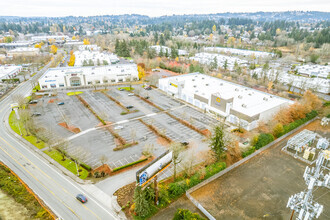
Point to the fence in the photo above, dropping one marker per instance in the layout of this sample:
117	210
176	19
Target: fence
199	206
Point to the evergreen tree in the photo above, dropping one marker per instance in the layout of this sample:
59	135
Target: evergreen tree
161	53
162	40
225	65
166	52
156	37
142	206
218	141
117	45
214	64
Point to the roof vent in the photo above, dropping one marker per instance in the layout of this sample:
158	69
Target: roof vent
193	79
265	98
195	86
244	106
240	97
207	84
221	84
236	89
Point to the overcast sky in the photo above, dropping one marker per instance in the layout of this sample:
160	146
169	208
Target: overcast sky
54	8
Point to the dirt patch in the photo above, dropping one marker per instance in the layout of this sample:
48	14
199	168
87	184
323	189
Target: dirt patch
163	141
125	194
10	209
53	100
233	155
103	168
69	127
260	187
316	126
206	132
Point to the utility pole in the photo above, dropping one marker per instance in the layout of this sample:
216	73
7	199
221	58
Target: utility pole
156	190
302	202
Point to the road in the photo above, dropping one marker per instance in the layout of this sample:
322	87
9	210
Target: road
56	190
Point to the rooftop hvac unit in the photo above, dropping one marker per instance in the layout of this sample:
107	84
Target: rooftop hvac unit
240	97
250	94
236	89
193	79
206	84
244	106
221	84
195	86
265	98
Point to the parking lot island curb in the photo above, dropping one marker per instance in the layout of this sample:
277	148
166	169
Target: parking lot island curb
42	154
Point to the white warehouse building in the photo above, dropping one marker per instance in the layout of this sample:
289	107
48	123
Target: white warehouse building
240	105
82	76
95	57
9	71
208	58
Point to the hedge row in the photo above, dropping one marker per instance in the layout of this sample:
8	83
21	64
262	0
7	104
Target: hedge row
185	214
178	188
129	164
88	168
11	185
264	139
289	127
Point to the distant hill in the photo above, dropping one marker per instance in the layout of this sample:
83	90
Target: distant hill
301	16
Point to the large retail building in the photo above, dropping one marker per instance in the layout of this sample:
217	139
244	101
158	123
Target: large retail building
83	76
240	105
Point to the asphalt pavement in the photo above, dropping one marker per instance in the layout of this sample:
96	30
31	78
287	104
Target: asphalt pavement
55	189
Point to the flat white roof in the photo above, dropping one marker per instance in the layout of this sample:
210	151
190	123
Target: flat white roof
245	100
53	73
237	51
24	49
95	56
8	70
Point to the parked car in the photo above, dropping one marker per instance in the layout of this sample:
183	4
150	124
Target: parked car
185	143
121	89
33	102
60	103
129	106
130	94
81	198
36	114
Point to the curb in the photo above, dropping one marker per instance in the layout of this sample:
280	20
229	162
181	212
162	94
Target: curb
42	154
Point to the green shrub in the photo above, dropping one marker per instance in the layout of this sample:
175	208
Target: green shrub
177	189
164	197
86	166
185	214
289	127
129	164
248	152
263	140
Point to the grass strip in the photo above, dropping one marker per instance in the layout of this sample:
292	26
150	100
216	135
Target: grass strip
67	163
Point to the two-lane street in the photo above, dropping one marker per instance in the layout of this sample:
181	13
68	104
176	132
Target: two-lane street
56	190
